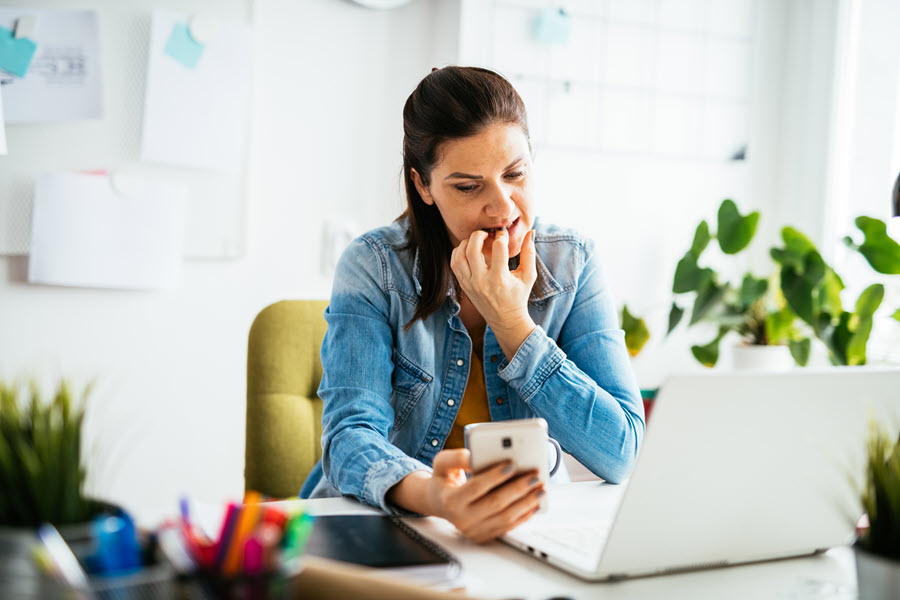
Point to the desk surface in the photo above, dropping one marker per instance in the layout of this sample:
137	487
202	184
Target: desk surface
497	571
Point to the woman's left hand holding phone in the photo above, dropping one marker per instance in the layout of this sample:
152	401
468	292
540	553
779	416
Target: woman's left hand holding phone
483	507
498	294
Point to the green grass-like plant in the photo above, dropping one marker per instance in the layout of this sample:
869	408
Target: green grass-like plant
881	494
41	475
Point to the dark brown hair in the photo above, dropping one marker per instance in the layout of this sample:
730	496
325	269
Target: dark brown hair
450	103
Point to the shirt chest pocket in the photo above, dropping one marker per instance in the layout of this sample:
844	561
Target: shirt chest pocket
409	383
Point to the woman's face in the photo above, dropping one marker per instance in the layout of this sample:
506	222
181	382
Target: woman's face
482	182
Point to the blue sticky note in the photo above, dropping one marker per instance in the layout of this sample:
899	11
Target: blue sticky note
182	47
553	26
15	54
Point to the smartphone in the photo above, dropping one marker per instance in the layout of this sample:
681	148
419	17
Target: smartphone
521	441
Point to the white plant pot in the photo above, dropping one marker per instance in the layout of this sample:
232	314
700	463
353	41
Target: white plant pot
878	578
761	358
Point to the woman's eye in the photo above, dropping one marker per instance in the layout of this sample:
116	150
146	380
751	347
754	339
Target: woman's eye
515	174
466	188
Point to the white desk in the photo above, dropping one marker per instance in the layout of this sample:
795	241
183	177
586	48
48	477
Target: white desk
497	571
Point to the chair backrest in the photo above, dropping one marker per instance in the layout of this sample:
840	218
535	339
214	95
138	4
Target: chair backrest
284	412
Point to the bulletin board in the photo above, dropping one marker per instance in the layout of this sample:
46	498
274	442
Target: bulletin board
644	78
215	222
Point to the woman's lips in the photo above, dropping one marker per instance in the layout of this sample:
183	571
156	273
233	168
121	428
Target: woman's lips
511	230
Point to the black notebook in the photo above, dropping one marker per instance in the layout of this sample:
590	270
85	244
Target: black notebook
381	542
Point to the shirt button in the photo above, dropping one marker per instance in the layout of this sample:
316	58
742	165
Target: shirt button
499	400
494	358
460	362
451	402
434	442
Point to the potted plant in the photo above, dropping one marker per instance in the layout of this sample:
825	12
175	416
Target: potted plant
41	474
752	308
877	547
813	290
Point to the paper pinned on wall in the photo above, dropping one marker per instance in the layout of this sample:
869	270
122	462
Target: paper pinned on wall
198	117
2	126
63	81
86	234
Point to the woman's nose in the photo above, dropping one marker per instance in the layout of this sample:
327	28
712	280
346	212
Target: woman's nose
500	203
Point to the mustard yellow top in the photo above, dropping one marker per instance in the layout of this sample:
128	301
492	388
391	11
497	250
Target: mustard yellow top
474	408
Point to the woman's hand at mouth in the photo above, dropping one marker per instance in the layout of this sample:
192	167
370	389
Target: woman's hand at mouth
498	294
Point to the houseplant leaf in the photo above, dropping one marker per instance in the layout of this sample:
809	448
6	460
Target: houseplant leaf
836	338
882	252
896	315
796	248
636	332
708	355
866	305
797	292
752	289
701	239
779	325
828	297
800	350
675	314
688	275
796	242
708	298
735	231
869	301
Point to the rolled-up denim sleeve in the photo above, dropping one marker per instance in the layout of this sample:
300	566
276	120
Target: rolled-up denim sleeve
583	383
357	457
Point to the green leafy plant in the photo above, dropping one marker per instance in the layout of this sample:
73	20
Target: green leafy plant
812	289
881	495
880	250
636	331
752	308
41	474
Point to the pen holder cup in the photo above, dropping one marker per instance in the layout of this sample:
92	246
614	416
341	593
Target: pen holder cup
155	579
271	585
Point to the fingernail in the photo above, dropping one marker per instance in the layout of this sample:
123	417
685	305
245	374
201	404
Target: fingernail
541	493
507	469
533	481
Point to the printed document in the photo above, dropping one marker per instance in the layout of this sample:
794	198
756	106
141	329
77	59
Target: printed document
63	81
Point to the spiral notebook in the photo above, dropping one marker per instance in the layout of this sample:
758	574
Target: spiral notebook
382	542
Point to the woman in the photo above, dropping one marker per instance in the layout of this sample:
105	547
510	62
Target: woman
432	326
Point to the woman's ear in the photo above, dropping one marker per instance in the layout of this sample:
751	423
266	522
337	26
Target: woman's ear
420	187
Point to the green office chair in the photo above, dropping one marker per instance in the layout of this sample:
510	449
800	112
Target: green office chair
284	412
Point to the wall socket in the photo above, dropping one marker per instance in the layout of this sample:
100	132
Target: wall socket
336	236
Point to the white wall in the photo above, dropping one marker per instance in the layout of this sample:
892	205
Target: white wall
331	79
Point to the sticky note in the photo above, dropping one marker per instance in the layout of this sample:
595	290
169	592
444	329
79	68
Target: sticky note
15	54
182	47
553	26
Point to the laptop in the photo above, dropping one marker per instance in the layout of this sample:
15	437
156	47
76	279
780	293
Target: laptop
734	468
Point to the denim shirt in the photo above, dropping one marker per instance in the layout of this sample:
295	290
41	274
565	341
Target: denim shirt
391	395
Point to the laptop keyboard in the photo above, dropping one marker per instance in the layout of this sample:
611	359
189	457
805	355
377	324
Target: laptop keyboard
584	536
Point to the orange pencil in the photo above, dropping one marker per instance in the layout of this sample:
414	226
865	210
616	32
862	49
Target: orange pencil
247	523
